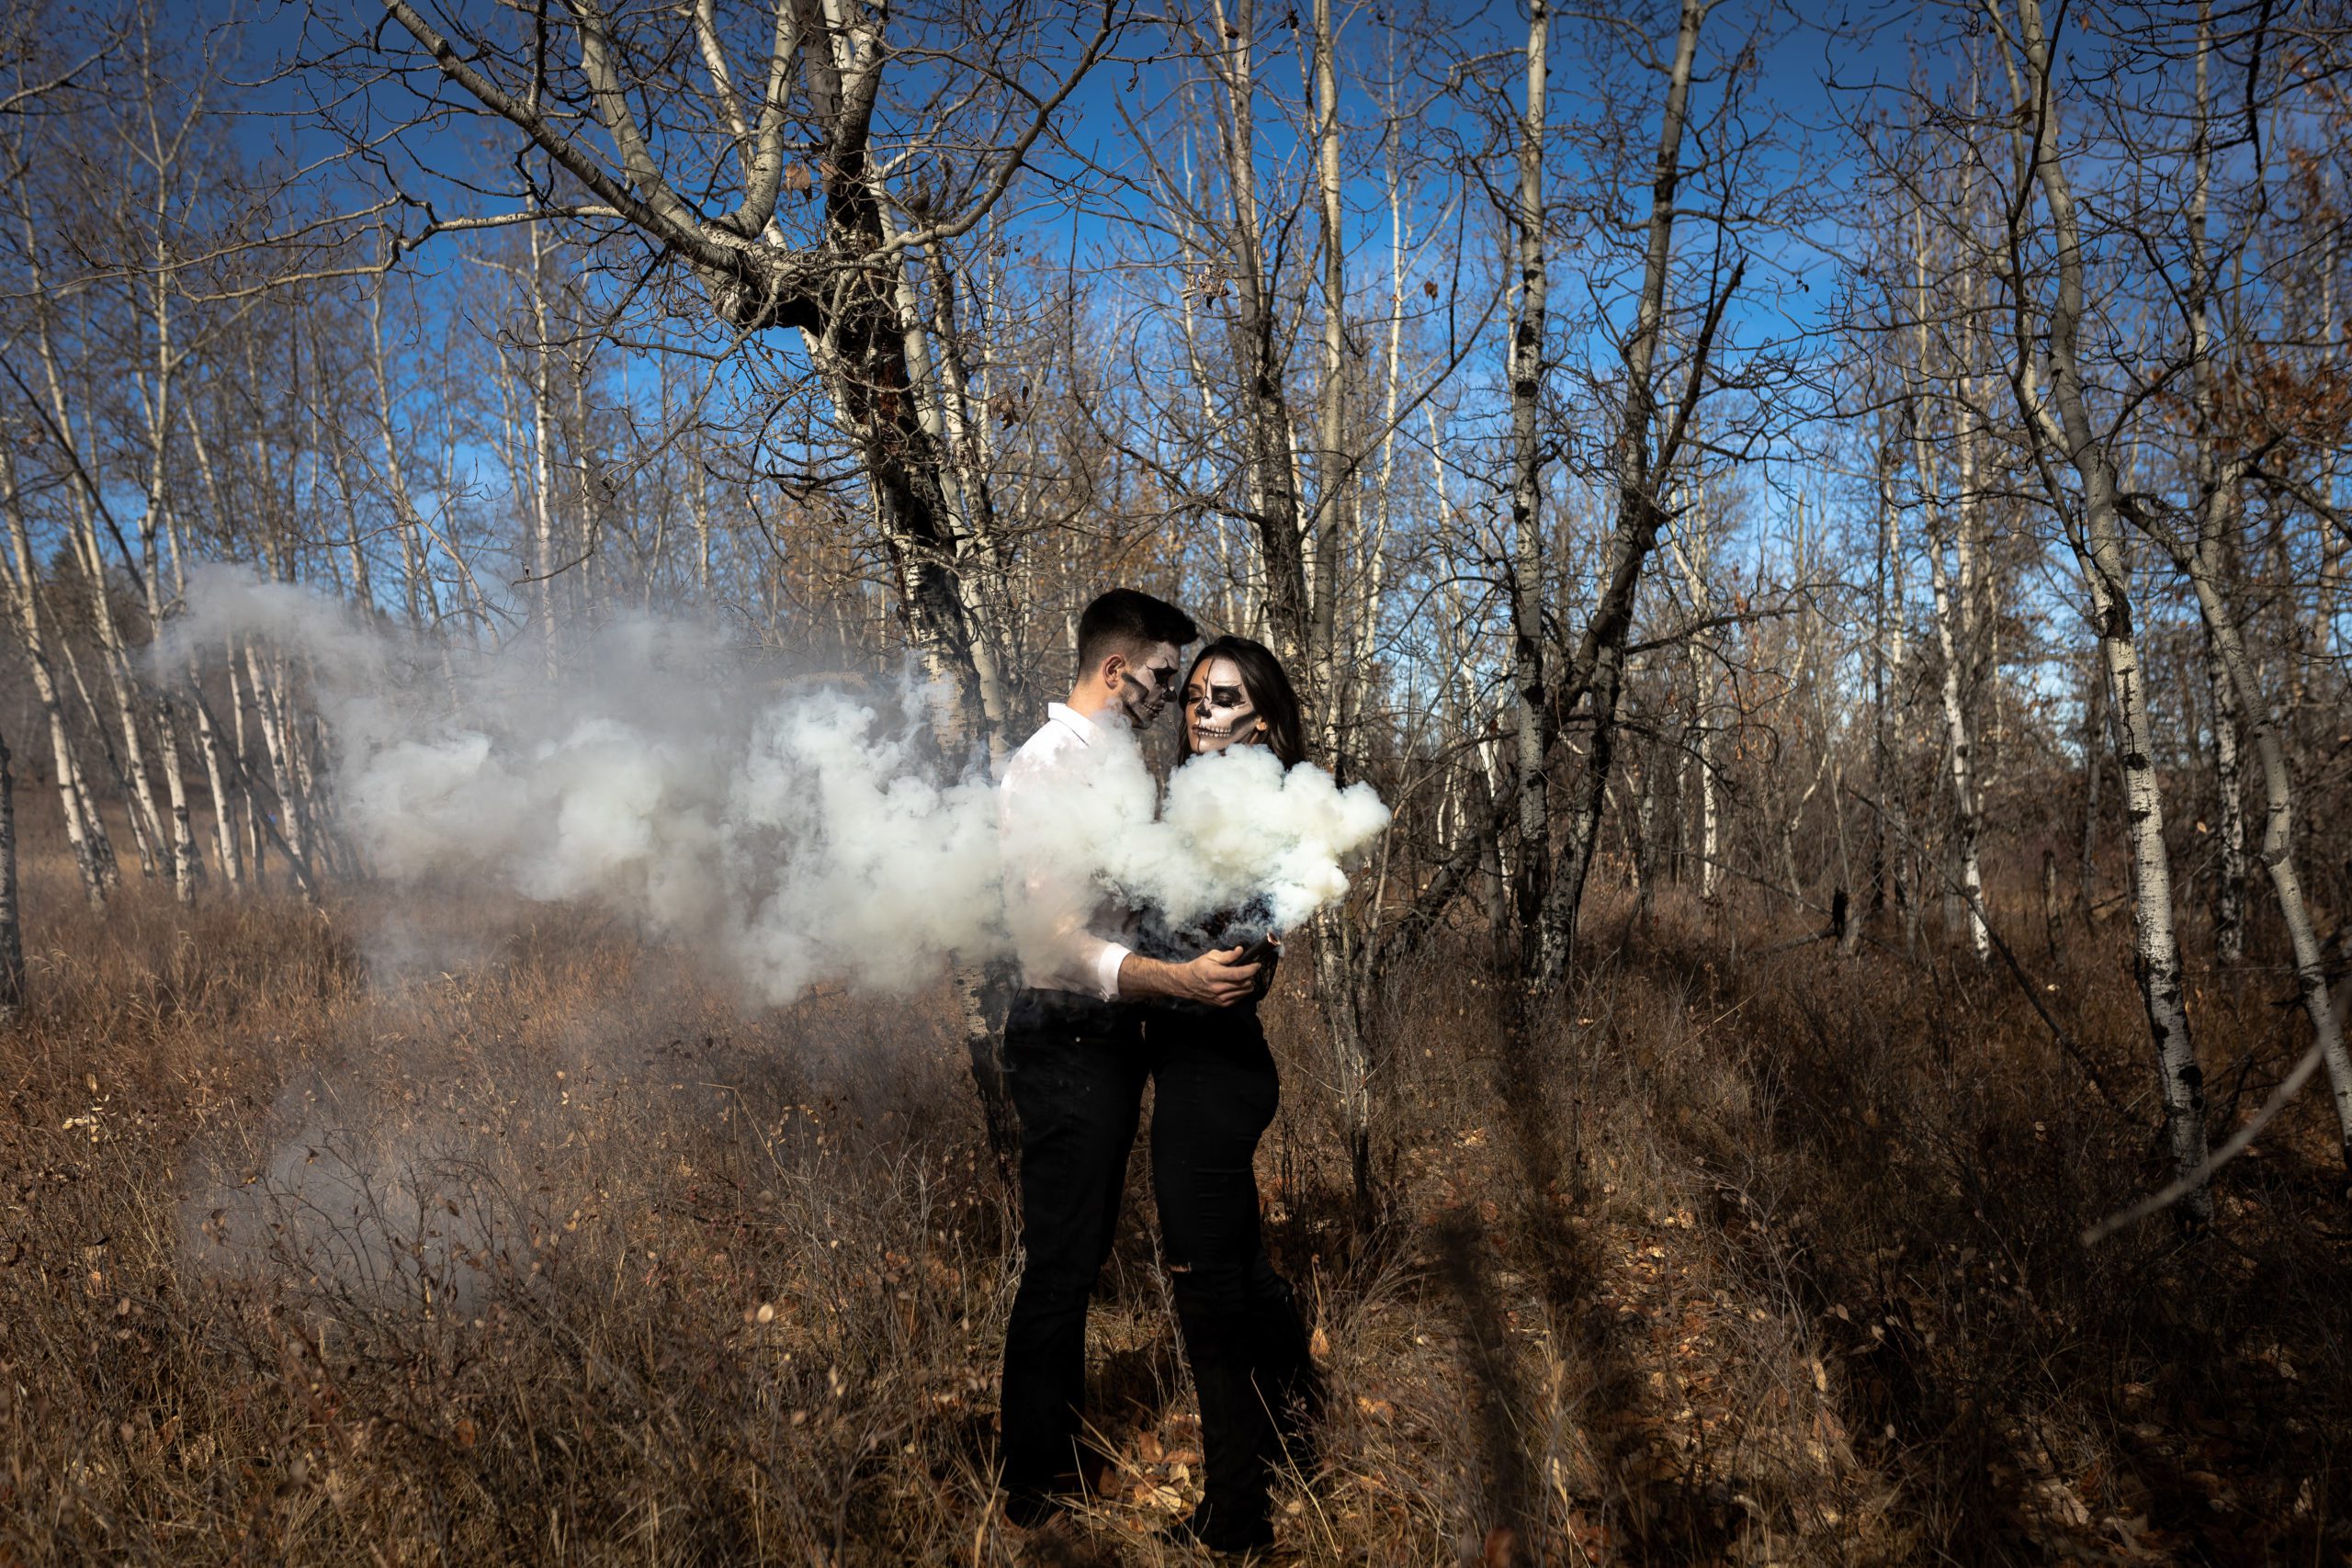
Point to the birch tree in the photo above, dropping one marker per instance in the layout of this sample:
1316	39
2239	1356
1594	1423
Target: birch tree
1953	626
2052	393
1531	287
662	138
1646	440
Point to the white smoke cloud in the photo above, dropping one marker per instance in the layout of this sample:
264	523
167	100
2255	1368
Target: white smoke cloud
788	834
1237	826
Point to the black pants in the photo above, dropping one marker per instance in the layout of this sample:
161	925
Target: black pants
1076	1068
1215	1092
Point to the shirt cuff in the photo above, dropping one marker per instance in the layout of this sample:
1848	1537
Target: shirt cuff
1107	970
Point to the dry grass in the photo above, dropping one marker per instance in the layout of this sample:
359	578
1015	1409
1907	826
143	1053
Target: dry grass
451	1231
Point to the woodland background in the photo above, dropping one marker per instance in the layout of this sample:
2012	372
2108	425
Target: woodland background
1832	537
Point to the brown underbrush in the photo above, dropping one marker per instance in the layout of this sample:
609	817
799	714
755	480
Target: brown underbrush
446	1230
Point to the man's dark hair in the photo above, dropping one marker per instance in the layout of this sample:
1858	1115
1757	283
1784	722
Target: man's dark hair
1127	621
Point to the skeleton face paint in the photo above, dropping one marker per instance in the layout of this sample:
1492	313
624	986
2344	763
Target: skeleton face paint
1218	711
1146	686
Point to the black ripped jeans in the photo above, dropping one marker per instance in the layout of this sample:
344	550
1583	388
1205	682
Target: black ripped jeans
1215	1092
1076	1066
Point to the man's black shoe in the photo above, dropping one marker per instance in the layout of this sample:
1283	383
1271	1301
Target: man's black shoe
1245	1539
1029	1509
1033	1504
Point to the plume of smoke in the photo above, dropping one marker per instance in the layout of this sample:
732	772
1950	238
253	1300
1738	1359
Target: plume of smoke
1238	827
788	833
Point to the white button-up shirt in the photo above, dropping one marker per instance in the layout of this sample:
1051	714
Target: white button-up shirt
1063	926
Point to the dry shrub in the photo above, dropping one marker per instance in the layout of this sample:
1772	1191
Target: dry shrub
452	1230
1908	1159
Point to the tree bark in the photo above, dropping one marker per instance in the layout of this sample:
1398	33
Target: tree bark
2204	567
1600	661
2229	811
1954	623
85	830
2097	536
2218	481
12	936
1338	973
1530	291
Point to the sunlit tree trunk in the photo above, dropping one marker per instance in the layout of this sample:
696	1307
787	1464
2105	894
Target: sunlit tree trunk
1601	654
1953	618
416	589
2061	420
12	937
129	764
224	825
254	840
2229	809
85	831
1959	752
543	546
2278	831
2237	690
1691	548
277	739
1337	930
1529	295
2218	481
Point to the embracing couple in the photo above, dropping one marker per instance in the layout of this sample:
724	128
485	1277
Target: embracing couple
1111	1000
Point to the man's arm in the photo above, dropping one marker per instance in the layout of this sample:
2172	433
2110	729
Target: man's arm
1050	898
1219	978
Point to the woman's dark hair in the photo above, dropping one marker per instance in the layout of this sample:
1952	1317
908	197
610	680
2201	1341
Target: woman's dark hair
1270	691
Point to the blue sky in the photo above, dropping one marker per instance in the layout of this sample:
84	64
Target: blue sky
1812	73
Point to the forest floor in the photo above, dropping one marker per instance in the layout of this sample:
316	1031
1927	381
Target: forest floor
454	1231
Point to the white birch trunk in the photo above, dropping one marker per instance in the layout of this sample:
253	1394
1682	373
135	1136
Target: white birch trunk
93	854
146	822
1955	621
277	742
2229	811
2098	541
1530	296
2218	480
2279	837
12	937
254	839
542	472
224	824
1335	934
1957	751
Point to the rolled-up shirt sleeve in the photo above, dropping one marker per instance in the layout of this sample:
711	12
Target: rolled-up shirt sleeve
1107	963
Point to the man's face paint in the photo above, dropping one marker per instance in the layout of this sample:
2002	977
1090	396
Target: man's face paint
1217	709
1145	686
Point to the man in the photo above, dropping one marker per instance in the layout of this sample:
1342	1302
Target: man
1073	1040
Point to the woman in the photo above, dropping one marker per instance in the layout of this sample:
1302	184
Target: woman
1214	1095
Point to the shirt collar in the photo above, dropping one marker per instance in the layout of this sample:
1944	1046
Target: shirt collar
1085	729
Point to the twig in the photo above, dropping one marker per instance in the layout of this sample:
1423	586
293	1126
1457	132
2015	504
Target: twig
2182	1186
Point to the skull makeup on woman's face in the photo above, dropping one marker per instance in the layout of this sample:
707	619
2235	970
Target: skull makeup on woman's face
1218	711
